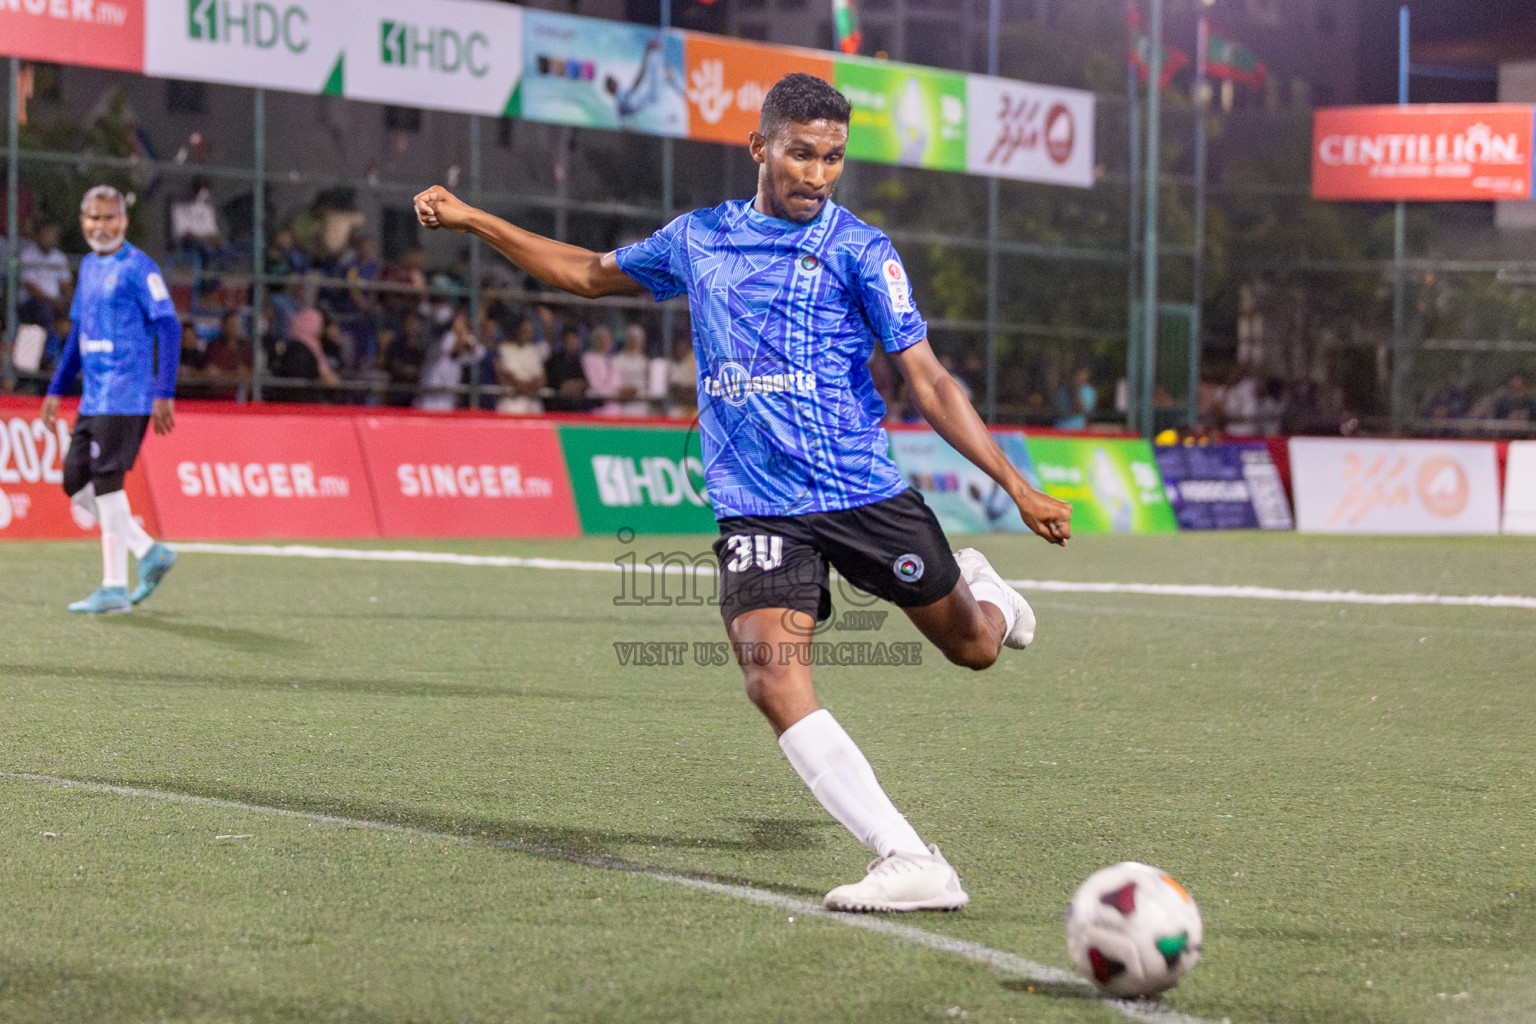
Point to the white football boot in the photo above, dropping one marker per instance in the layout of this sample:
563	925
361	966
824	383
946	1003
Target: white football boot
901	882
973	567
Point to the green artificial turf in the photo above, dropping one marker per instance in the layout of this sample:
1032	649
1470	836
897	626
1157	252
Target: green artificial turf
1347	791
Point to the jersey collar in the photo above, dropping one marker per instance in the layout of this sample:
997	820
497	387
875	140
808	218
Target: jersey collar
777	225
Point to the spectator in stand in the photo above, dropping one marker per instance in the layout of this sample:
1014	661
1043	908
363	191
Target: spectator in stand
682	380
1240	406
284	257
229	356
631	369
1511	401
403	355
1076	401
301	355
195	225
443	373
563	372
597	364
547	329
46	282
1449	402
408	275
193	358
1274	404
519	369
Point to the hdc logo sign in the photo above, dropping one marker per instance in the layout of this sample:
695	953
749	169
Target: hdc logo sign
294	45
438	49
437	54
239	22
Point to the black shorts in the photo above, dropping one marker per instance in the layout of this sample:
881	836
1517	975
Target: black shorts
102	449
894	549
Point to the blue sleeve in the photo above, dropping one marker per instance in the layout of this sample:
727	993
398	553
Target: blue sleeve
885	291
650	262
69	363
167	355
154	297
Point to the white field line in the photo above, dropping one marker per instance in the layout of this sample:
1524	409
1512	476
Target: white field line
1058	980
1044	586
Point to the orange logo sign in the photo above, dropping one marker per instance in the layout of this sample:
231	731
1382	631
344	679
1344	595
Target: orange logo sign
727	81
1443	487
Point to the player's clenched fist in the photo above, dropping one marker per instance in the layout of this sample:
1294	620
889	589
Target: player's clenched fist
1049	517
439	208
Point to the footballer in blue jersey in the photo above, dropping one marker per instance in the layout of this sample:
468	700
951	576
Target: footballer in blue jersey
125	340
789	293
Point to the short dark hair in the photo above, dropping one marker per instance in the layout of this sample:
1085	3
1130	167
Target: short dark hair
799	98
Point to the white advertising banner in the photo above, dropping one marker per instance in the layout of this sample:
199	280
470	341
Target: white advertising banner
1346	485
1520	488
293	45
459	55
1029	132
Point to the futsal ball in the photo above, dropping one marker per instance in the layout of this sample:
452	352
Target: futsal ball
1132	930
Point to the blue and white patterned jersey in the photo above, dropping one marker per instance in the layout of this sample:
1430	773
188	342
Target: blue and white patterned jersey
785	319
117	304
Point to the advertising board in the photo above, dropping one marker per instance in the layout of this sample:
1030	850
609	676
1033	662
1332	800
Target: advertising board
592	73
645	479
250	476
460	55
964	498
904	114
294	45
1029	132
1362	485
95	34
1113	484
1432	152
1230	486
467	478
1520	488
727	80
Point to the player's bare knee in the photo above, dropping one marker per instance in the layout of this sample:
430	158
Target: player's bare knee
975	654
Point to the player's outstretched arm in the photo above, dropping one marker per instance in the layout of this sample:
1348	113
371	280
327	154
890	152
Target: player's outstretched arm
567	267
950	413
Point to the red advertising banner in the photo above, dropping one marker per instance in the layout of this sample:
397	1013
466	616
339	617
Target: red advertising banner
91	33
1430	152
467	477
251	477
33	505
727	81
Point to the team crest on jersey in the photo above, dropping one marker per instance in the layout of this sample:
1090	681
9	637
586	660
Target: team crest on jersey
896	283
808	264
908	568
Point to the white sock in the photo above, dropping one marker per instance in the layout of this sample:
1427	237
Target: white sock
139	541
839	776
85	497
115	519
991	593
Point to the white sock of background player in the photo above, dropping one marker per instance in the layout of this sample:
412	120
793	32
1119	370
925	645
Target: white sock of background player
840	777
119	534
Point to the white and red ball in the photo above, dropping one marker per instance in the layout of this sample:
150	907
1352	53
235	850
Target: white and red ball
1133	931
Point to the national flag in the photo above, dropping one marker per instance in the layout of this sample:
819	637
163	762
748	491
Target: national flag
845	21
1227	59
1141	51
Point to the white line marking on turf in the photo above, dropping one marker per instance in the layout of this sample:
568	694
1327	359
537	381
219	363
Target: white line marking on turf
999	960
1048	586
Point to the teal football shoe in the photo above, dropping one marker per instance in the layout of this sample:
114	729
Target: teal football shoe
157	561
105	601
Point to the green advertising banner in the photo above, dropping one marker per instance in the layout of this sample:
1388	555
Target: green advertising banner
1113	484
904	114
646	479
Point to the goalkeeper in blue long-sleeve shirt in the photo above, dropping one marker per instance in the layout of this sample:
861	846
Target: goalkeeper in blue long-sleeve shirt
126	340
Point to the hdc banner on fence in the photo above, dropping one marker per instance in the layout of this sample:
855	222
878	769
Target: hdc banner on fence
1232	486
1113	484
249	476
1345	485
645	479
97	34
442	54
33	505
1520	488
964	498
1452	151
295	45
467	478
